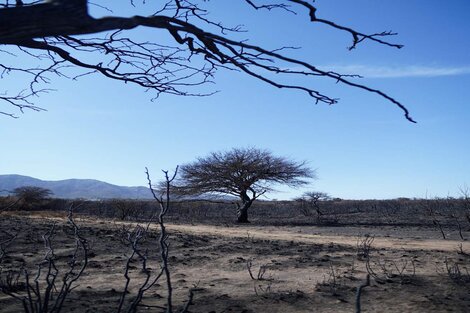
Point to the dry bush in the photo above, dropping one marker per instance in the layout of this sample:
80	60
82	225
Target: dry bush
457	272
401	270
46	289
261	274
332	281
364	246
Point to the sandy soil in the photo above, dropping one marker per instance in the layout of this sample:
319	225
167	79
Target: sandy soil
346	236
308	269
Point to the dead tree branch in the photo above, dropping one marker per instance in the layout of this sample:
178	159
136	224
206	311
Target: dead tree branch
61	34
163	201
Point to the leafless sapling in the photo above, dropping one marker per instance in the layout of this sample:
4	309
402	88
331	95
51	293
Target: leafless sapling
164	205
47	289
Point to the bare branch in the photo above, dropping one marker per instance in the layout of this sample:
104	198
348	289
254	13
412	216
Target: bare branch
69	36
164	246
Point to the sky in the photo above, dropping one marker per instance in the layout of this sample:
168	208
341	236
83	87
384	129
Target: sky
361	148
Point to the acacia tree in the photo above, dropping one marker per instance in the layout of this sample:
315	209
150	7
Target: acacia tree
31	195
311	200
62	33
246	173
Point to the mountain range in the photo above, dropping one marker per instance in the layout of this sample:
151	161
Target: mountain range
74	188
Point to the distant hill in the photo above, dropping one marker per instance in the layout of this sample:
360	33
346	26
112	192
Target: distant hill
75	188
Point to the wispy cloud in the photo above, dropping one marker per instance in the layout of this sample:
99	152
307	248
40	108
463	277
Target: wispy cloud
368	71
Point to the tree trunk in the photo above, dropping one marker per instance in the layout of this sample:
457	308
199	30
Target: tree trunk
319	213
242	213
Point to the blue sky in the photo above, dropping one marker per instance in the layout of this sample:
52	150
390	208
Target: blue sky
361	147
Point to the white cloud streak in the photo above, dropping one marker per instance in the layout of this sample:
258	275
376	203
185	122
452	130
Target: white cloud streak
368	71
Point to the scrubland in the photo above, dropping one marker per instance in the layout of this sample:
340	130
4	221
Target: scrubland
415	252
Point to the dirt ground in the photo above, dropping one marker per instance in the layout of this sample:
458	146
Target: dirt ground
306	268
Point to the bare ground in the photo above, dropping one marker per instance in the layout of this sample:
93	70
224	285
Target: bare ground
308	268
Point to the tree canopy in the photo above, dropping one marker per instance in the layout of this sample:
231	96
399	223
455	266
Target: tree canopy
62	33
245	173
31	195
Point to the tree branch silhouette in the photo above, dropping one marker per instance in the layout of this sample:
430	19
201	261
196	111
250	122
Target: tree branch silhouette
62	33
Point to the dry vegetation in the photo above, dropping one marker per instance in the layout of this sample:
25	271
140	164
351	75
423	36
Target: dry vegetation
415	251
